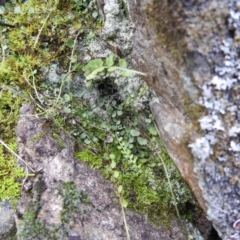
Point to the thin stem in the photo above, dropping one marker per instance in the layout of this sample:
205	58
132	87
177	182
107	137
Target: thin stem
168	179
41	29
124	220
10	150
72	53
133	71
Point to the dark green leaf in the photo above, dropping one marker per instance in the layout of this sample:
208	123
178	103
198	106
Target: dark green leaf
120	188
93	64
124	203
112	156
74	59
67	97
83	135
86	141
134	133
94	73
109	61
113	164
95	14
152	131
116	174
119	113
142	141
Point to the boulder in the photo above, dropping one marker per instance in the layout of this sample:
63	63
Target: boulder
190	51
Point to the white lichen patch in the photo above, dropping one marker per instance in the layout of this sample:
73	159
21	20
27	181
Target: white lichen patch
235	147
211	122
217	151
234	131
201	149
222	84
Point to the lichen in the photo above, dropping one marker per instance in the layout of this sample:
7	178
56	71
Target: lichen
216	152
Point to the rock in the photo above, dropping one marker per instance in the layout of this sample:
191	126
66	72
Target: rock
7	221
190	51
66	199
152	57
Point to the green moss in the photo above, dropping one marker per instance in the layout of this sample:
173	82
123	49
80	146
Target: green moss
36	138
130	161
9	112
72	201
10	175
88	156
10	172
39	39
31	228
59	140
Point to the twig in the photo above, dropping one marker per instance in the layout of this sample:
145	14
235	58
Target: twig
168	179
14	91
41	29
73	50
125	221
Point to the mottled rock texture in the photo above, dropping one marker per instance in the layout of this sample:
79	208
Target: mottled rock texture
7	221
190	49
157	52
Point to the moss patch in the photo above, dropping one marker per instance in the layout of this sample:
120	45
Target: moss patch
10	172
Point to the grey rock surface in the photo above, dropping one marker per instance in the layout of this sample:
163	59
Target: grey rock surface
66	199
166	77
191	51
7	221
115	38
